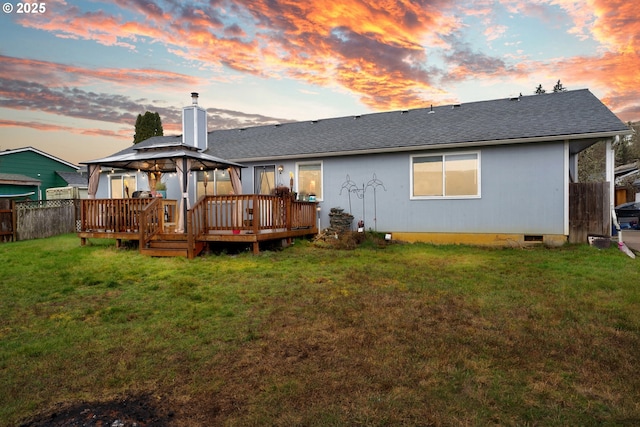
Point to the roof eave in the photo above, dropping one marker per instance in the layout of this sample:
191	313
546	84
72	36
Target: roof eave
12	196
555	138
32	183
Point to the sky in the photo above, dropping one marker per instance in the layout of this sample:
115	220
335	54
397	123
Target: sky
74	75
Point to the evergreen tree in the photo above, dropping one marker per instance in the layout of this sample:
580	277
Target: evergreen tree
628	151
147	125
539	90
559	88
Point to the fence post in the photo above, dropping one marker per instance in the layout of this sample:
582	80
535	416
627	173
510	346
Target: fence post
14	221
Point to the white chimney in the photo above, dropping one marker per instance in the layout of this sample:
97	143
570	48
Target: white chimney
194	124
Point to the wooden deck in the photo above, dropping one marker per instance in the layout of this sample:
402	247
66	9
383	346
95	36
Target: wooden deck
247	218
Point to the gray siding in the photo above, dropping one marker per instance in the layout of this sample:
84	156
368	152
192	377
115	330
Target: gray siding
522	192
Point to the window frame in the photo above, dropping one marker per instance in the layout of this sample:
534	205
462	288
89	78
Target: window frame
297	177
444	155
215	180
122	177
265	168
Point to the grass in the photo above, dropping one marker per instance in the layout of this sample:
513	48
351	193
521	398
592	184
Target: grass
405	335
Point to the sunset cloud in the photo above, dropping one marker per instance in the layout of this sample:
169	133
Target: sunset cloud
389	53
48	127
320	42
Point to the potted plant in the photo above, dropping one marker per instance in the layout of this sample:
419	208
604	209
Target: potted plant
161	188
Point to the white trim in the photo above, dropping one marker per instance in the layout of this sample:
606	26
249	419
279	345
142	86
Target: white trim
444	155
256	190
121	176
566	187
297	176
10	196
611	170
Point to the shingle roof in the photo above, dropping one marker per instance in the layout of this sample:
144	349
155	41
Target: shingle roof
74	179
560	115
565	115
18	179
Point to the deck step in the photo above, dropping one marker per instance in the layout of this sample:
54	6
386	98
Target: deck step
169	244
164	252
171	248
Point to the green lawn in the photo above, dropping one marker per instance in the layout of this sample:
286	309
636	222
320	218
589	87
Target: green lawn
403	335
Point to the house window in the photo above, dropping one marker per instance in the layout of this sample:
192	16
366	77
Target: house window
122	186
310	179
214	183
264	179
445	175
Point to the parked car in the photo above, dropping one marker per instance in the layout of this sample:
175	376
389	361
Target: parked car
628	215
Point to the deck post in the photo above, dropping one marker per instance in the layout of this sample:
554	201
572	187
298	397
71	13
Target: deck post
190	235
256	220
288	207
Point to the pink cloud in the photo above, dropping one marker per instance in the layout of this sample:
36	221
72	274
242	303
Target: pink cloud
376	49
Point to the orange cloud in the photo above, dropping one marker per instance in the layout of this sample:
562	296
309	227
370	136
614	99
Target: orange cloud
617	25
614	69
123	133
316	41
377	49
58	74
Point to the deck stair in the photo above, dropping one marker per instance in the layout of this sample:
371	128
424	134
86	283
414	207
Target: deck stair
170	245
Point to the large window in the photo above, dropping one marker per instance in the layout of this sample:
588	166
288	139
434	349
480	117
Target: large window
446	175
264	179
214	183
122	186
310	179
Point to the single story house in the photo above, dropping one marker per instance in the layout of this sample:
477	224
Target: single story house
28	173
15	186
489	172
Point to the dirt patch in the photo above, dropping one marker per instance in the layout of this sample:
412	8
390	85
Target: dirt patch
138	411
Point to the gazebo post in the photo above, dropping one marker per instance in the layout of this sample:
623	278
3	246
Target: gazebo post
185	193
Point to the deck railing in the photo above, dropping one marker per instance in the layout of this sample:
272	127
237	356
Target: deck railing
112	215
122	215
254	213
151	219
234	214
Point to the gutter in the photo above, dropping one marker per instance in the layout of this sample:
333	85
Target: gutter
10	196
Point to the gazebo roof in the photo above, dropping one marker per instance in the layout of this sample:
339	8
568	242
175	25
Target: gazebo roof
162	157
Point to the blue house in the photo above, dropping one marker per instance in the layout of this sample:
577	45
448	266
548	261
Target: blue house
491	172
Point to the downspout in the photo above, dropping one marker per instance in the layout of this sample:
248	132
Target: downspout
610	177
612	183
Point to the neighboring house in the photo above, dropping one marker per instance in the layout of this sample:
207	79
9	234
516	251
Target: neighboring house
490	172
18	187
627	183
29	172
74	180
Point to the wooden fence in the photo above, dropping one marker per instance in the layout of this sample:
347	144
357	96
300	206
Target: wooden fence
589	211
40	219
7	221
